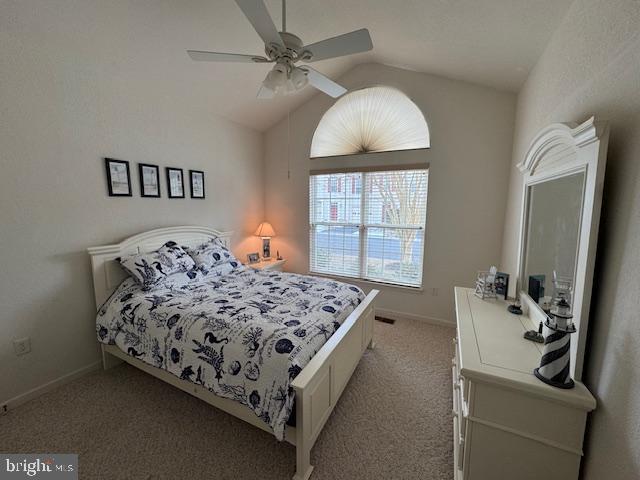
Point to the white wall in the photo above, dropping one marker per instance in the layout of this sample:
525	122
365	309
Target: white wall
592	66
70	94
471	133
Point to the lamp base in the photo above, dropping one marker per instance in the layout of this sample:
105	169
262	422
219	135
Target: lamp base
266	248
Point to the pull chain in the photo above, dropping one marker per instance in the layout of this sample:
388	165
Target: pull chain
288	143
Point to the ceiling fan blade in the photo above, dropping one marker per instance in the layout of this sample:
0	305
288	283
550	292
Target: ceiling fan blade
322	83
258	15
346	44
265	93
200	56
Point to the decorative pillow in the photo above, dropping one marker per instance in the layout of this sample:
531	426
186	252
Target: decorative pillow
223	269
210	255
150	268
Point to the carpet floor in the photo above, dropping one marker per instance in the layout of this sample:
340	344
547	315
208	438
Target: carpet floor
393	421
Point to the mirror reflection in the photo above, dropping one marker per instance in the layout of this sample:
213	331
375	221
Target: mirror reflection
553	224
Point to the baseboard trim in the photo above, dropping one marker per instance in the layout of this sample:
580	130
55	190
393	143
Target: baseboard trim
47	387
383	312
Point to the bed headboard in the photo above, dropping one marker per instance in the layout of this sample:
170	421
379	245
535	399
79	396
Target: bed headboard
107	273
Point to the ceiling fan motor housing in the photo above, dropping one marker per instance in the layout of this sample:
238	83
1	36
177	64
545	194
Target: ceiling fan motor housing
293	49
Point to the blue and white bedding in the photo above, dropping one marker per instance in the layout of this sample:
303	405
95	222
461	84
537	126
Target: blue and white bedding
243	334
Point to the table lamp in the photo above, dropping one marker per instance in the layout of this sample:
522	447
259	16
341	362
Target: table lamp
266	231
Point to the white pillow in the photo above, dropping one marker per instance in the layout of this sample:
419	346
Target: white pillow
148	269
223	269
211	254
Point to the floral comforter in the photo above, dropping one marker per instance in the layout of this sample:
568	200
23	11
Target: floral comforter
244	335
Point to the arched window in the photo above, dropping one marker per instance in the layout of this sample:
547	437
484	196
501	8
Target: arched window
375	119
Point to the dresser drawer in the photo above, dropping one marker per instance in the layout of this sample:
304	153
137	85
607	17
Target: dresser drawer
456	356
461	387
457	452
459	418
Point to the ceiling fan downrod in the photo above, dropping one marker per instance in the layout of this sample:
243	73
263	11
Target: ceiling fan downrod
284	15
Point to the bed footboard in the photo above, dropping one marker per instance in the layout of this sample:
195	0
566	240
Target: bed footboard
320	384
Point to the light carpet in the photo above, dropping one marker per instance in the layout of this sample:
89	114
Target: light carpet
393	421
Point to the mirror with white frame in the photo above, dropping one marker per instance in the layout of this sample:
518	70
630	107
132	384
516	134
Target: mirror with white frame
554	212
563	178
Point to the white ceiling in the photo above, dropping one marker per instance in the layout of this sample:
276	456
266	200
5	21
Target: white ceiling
489	42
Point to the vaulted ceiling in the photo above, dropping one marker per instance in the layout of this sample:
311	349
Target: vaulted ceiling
488	42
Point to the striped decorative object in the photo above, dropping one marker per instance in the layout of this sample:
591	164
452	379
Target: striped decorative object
555	362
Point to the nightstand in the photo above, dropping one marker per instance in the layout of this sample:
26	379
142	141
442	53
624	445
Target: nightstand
275	265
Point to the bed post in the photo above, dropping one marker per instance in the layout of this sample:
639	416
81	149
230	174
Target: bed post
303	427
108	360
319	385
371	345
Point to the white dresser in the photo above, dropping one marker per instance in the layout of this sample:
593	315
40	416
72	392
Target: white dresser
508	424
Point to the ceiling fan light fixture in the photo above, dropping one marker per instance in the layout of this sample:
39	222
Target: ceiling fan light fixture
276	78
299	78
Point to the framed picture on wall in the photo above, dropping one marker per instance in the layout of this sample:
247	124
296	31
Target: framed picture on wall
175	182
149	180
196	181
118	177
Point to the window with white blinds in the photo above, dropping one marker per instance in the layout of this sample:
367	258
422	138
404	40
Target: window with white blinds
369	225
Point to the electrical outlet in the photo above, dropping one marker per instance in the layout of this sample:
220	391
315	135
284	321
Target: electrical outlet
22	346
434	291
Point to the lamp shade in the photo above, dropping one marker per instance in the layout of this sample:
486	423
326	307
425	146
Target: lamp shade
265	230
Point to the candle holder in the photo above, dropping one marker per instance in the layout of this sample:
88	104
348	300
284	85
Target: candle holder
516	308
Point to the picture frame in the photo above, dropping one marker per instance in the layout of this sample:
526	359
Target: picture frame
536	287
149	180
253	258
196	184
501	283
175	182
118	177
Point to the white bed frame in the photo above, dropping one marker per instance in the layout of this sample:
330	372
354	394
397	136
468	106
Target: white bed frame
318	386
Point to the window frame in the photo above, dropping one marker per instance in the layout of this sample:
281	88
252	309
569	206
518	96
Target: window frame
364	226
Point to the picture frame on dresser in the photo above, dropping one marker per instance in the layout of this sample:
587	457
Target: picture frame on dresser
149	180
175	182
118	177
196	184
502	284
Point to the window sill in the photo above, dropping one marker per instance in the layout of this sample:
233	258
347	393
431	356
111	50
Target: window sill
374	283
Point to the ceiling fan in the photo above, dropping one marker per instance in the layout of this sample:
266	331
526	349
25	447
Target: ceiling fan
286	49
